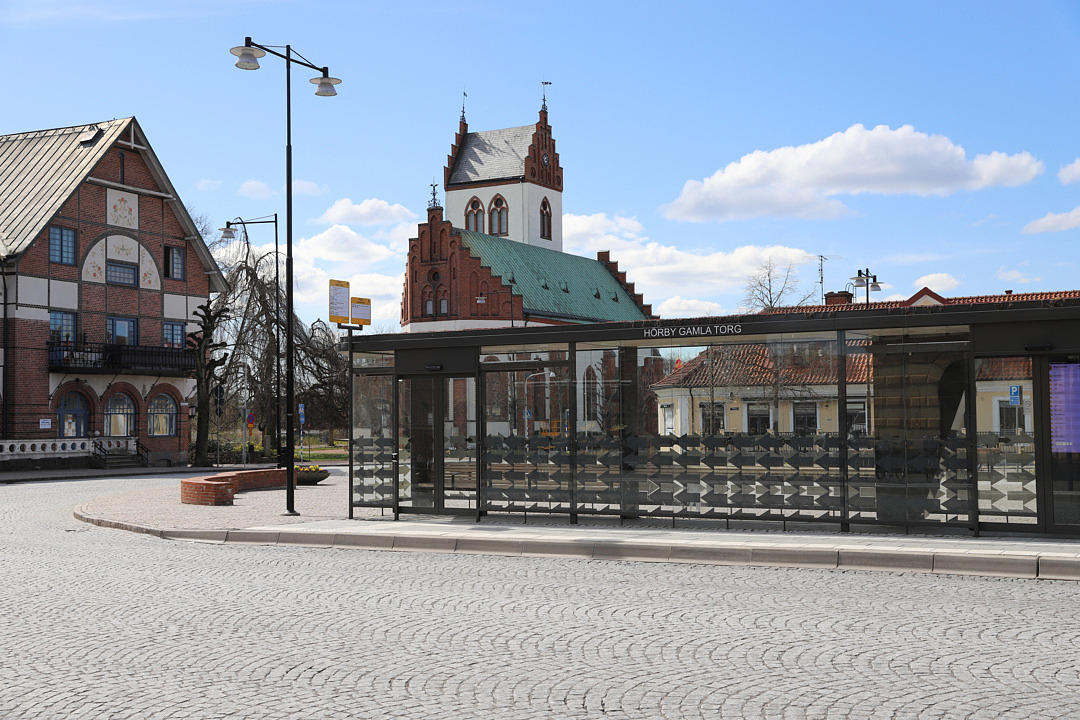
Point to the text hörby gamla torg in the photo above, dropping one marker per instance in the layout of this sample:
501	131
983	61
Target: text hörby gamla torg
934	413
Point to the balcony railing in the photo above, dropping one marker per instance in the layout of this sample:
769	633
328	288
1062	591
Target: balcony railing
90	357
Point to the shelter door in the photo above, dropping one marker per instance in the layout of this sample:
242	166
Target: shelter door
437	443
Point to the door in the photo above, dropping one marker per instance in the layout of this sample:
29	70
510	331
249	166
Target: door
437	449
1063	375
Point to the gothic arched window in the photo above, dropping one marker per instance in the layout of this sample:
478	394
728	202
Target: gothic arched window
474	216
545	219
499	217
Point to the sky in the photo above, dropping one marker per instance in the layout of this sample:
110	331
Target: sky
932	143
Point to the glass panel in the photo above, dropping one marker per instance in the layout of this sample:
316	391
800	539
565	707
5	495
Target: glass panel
1065	441
416	442
525	461
459	442
552	352
1006	446
373	360
373	441
912	463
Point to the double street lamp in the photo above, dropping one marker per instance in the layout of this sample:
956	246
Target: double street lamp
229	233
248	56
866	279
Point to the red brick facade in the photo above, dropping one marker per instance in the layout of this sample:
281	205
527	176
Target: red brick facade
32	394
440	270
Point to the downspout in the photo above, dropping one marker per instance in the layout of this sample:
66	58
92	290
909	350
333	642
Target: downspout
4	267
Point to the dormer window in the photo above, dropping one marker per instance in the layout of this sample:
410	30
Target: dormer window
499	217
545	219
474	216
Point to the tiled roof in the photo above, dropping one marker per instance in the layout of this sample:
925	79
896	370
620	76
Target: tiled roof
492	155
551	283
1001	299
40	170
752	364
1009	368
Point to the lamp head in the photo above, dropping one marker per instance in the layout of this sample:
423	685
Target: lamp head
227	233
248	57
326	85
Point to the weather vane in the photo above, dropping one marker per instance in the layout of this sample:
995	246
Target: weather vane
434	198
544	84
463	96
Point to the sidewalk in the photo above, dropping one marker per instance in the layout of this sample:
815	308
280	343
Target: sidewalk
256	518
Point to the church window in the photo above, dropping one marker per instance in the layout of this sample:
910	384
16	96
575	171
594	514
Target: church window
499	217
545	219
474	216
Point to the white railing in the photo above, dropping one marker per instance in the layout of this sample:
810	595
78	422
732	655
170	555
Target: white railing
63	447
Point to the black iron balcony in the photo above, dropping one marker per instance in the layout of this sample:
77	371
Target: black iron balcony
87	357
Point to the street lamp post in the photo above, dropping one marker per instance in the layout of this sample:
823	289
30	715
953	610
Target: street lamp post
482	299
248	56
227	233
866	279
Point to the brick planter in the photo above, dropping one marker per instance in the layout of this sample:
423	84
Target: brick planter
220	489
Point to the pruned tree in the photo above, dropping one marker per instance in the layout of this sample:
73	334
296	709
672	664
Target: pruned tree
772	286
209	359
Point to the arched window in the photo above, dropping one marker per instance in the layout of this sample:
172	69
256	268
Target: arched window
474	216
162	416
72	415
545	219
498	217
120	416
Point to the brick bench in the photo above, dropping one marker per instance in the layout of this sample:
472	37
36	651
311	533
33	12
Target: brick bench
220	489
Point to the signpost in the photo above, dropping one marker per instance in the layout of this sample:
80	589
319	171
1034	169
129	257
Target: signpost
301	432
1015	394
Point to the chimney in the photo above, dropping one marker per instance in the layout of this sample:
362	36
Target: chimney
841	297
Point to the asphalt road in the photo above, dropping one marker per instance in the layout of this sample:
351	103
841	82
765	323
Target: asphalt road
98	623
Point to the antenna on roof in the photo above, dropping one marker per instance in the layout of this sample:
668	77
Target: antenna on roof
543	85
821	275
463	96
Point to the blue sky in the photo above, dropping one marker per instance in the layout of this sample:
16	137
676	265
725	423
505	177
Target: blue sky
934	143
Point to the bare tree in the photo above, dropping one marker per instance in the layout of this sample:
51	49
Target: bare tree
208	361
772	286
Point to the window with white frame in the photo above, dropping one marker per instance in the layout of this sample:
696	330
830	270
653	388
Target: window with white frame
712	417
474	216
499	217
174	262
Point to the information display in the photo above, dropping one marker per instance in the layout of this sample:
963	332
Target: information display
1065	407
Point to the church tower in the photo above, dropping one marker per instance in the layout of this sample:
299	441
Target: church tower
506	183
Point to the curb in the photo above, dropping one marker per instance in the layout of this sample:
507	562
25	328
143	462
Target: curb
1027	566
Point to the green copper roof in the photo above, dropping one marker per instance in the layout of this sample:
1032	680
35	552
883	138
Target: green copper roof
552	283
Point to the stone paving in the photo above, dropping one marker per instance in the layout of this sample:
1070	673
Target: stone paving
100	623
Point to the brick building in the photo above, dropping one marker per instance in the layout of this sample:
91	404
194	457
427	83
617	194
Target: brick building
103	269
495	258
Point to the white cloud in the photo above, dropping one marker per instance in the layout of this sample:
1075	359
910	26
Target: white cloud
663	272
1054	222
802	181
1070	173
938	282
255	189
207	185
1016	276
369	212
306	187
343	246
679	306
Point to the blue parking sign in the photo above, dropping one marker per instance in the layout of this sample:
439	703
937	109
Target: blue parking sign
1014	394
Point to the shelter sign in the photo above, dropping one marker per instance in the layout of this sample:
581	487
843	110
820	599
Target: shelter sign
361	311
339	301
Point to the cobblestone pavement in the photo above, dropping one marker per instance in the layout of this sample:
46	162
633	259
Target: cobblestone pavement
98	623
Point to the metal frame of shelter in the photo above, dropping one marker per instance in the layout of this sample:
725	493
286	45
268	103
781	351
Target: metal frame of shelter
571	419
